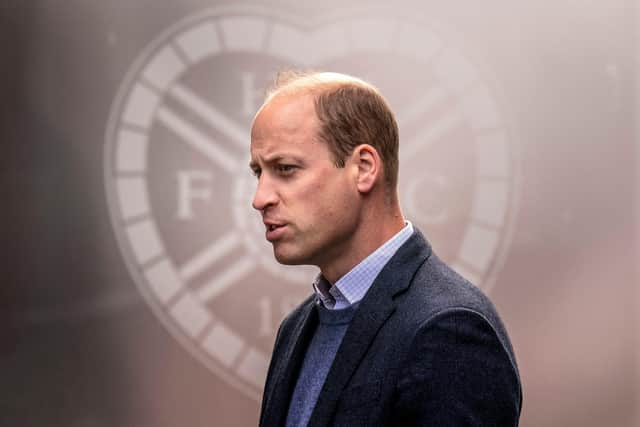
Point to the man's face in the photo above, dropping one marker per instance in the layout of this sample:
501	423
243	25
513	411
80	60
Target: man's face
309	206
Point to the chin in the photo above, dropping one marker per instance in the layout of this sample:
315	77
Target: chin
289	258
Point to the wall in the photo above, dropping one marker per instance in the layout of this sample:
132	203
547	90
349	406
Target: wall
136	287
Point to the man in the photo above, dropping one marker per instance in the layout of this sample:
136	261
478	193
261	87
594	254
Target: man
391	335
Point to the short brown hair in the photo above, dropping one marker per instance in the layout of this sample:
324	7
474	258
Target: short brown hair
351	112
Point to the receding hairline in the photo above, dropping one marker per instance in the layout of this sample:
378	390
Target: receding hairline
313	83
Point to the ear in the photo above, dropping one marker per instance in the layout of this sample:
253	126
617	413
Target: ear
369	167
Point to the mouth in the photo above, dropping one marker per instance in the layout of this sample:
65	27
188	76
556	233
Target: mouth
274	231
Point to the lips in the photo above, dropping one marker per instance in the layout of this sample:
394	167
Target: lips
274	230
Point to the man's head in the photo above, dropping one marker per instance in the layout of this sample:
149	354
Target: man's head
351	112
324	148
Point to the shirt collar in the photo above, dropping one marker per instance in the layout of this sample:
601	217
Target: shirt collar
352	287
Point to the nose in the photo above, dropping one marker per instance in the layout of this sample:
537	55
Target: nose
265	195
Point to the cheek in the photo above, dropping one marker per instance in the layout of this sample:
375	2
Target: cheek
337	205
324	201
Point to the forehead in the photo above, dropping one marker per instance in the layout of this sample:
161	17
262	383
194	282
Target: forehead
286	112
286	122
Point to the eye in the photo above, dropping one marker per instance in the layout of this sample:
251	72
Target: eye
285	169
256	172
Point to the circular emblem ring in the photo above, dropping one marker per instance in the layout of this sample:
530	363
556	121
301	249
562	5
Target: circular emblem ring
179	187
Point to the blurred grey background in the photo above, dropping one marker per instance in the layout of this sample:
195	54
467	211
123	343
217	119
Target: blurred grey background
136	289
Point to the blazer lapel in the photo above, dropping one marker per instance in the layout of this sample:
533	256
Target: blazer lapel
374	310
277	405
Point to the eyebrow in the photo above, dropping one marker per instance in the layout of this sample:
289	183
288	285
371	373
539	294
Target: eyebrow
275	158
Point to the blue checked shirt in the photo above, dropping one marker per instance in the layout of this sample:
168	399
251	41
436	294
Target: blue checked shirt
352	287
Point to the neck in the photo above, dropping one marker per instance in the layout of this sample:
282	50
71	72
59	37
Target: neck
375	229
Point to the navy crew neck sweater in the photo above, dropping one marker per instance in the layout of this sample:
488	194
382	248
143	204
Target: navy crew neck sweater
318	359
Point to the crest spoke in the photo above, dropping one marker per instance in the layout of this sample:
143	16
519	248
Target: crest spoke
197	140
212	115
226	278
212	253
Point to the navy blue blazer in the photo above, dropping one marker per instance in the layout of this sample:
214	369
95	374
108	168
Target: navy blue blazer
425	348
